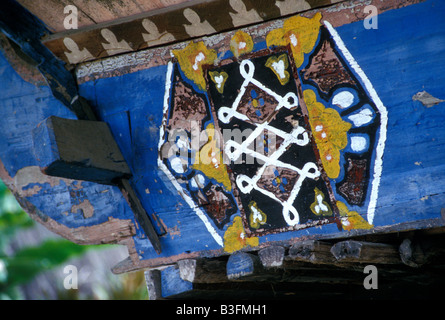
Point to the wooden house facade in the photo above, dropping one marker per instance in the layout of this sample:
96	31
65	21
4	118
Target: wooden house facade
265	148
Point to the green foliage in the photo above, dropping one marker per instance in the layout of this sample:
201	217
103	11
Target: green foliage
24	265
29	262
128	286
12	217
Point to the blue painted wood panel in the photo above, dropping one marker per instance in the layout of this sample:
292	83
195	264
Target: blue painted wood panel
402	57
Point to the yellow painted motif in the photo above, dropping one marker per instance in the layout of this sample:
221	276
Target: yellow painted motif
319	206
209	160
241	43
235	237
351	219
329	131
192	58
219	79
279	65
300	33
257	217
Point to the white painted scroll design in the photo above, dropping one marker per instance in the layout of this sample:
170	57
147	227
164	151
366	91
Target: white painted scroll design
299	136
364	118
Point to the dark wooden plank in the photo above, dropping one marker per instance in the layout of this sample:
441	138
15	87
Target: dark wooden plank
79	149
202	270
86	150
154	286
272	257
91	12
176	23
26	31
366	252
140	213
311	251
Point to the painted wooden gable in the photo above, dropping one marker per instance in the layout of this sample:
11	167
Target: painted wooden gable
311	126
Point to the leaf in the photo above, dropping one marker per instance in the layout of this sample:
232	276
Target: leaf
29	262
12	217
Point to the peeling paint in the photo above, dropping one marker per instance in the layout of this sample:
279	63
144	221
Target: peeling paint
206	208
426	99
33	175
85	207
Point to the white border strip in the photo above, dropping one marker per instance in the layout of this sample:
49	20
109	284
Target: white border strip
164	168
383	121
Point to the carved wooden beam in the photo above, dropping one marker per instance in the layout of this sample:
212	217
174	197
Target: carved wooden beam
181	22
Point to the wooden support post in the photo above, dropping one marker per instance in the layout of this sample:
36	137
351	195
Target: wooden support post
242	264
80	150
365	252
202	270
312	251
272	256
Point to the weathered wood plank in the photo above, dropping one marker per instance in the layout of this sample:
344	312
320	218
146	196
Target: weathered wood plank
202	270
339	277
177	23
241	265
365	252
312	251
140	213
79	149
86	150
26	30
91	12
165	282
272	256
136	87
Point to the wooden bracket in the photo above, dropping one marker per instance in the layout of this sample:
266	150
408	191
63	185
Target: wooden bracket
80	150
86	150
